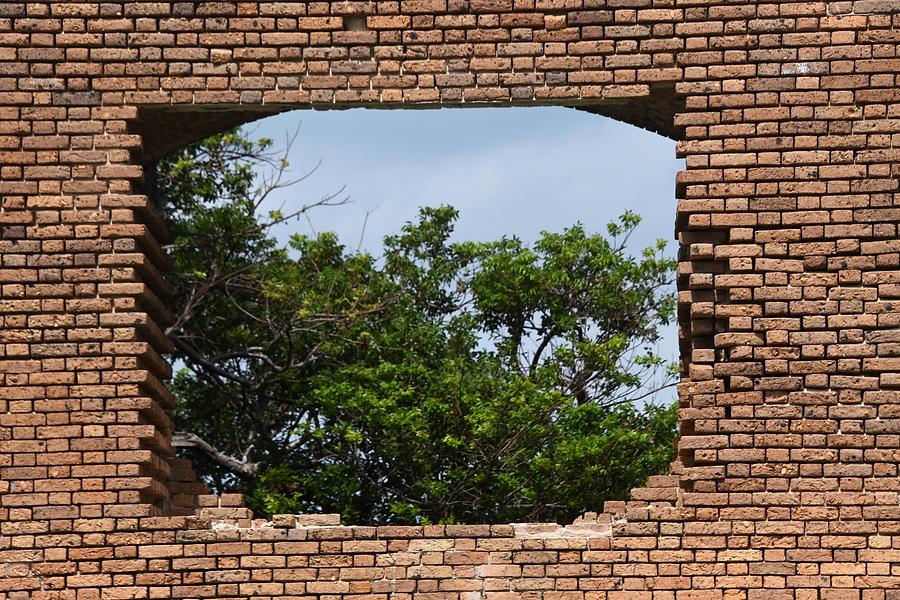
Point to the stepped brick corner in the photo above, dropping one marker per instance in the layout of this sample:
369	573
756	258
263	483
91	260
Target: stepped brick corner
785	484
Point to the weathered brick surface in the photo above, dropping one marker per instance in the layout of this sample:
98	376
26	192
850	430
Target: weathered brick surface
786	481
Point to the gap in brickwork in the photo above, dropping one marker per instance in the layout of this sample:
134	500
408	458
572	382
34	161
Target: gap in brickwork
508	171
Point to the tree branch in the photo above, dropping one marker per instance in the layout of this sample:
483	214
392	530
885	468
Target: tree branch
203	361
185	439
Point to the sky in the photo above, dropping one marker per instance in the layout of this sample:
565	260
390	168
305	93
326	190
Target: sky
509	171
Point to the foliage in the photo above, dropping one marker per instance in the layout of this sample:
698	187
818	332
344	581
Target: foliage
442	382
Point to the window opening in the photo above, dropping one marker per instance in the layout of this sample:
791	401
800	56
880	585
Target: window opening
510	174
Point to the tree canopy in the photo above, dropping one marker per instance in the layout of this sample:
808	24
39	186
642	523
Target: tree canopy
442	381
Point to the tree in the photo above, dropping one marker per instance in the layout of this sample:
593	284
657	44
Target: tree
441	382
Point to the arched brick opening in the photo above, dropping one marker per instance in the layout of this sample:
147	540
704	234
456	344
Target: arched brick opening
163	129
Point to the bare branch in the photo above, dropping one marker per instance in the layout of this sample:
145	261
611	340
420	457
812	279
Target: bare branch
362	232
244	468
196	356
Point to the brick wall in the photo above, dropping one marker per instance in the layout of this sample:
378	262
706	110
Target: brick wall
786	481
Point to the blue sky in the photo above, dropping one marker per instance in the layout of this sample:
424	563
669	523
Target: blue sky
509	171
